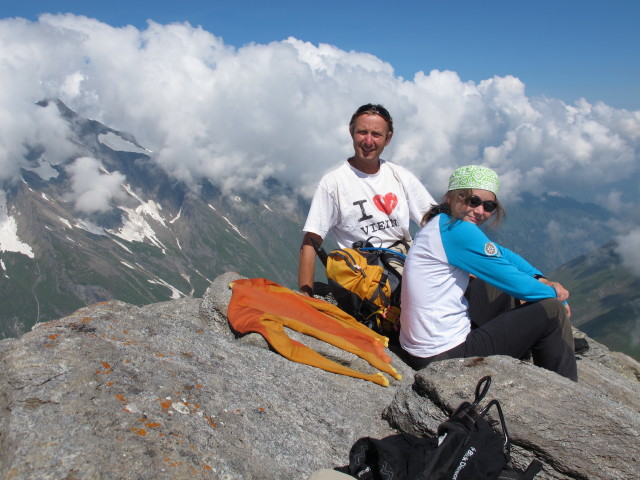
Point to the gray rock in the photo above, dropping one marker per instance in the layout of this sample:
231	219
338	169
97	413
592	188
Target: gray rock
574	429
115	391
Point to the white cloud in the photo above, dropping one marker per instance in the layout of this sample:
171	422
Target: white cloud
93	187
629	251
237	116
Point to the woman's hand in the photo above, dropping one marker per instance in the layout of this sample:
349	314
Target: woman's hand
562	293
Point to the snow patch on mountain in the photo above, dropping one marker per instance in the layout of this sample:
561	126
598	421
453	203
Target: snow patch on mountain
117	143
9	240
90	227
44	170
175	293
203	276
149	208
188	279
65	222
124	247
227	220
135	227
176	217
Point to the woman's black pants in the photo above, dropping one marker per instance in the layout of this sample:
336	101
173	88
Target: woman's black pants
501	326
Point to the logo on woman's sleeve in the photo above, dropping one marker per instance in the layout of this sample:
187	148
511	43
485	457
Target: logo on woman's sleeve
491	250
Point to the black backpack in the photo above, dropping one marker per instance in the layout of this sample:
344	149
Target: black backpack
467	448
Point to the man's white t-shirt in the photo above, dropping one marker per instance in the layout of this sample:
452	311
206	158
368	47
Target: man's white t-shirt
356	206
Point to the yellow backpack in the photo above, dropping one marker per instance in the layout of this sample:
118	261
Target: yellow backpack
366	285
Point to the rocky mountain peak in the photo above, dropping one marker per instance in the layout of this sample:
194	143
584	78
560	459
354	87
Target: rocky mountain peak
168	391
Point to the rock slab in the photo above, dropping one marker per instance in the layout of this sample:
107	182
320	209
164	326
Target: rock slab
115	391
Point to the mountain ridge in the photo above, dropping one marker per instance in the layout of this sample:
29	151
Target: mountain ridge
158	238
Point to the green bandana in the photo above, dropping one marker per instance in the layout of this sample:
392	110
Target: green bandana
474	176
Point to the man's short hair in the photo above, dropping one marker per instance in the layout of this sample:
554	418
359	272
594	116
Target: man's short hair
371	109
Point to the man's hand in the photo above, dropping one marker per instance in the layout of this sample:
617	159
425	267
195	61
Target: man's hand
307	263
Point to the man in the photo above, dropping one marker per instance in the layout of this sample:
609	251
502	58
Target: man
366	198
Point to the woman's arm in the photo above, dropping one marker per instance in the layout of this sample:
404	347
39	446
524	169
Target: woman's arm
468	248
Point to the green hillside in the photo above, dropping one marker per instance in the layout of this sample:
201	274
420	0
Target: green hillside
605	299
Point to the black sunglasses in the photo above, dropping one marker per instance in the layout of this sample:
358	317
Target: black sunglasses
489	205
374	109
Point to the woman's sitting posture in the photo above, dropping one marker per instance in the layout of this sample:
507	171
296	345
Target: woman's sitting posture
465	296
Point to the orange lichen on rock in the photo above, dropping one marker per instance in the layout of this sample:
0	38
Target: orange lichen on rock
211	422
120	397
107	369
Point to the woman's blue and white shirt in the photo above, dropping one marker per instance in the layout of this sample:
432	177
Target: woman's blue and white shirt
436	274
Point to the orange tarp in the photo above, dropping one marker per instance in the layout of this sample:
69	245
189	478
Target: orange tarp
262	306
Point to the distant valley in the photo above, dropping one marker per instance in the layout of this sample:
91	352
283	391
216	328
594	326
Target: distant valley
605	299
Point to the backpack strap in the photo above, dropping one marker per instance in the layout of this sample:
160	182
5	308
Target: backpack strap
532	470
405	244
322	255
507	443
388	250
466	414
510	473
379	292
481	389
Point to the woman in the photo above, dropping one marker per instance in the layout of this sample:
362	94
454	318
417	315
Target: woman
459	289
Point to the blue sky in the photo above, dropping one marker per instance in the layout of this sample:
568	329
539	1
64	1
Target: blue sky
564	49
545	92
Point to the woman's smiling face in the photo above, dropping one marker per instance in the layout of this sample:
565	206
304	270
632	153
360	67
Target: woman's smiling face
476	214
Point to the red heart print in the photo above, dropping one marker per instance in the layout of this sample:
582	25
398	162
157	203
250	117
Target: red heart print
387	203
